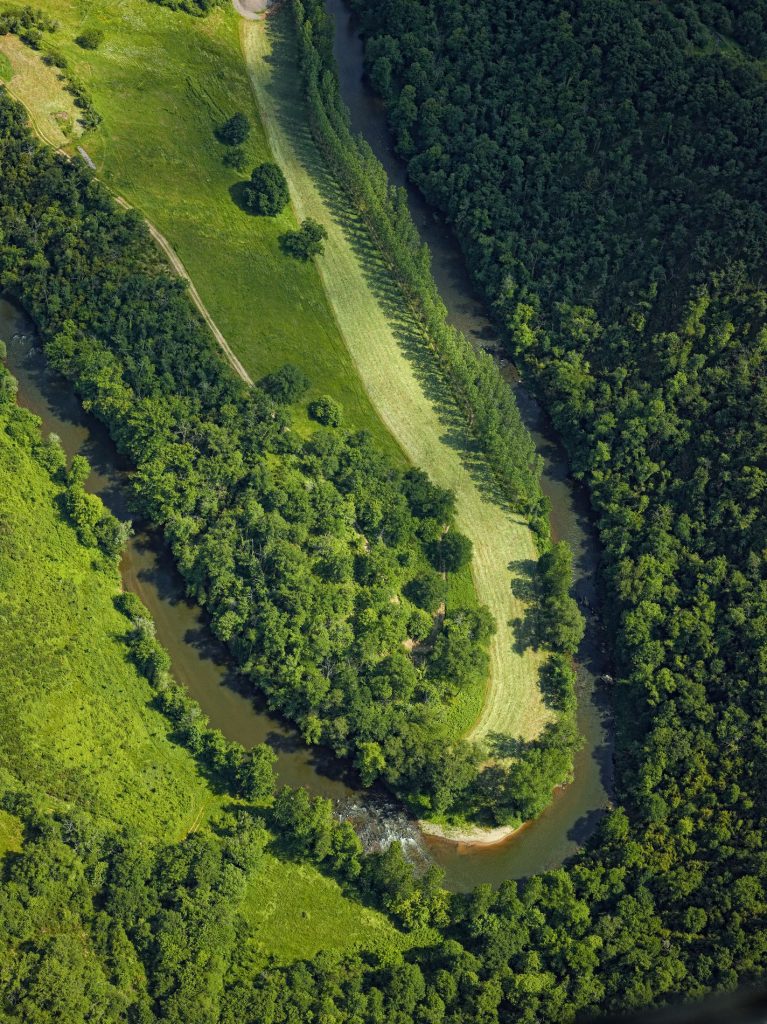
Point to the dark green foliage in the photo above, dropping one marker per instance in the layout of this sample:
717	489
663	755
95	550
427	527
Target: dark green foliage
28	23
560	623
326	410
96	527
305	243
427	591
235	131
451	552
90	39
285	385
236	158
603	167
298	548
267	191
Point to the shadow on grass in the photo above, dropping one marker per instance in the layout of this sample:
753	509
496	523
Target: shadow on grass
286	93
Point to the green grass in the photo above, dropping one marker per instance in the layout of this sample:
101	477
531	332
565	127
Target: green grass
6	69
75	721
398	373
162	82
10	834
294	912
40	88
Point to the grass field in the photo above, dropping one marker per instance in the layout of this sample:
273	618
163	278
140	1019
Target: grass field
392	362
40	88
162	82
294	912
75	720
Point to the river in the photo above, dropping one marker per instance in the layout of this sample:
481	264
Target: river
198	663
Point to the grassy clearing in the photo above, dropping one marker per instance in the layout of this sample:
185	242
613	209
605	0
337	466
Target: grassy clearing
162	82
292	912
41	89
10	834
75	720
391	360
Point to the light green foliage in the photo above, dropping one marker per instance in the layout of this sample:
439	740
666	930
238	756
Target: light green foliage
75	719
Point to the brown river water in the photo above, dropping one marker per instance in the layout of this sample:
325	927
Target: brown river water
200	665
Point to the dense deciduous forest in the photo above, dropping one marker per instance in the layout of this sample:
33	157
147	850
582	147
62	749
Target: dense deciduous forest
305	552
603	167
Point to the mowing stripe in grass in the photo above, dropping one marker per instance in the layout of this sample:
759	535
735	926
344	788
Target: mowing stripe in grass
397	370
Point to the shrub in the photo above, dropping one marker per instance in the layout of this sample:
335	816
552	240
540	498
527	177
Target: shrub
236	158
90	39
267	194
306	242
326	410
285	385
234	131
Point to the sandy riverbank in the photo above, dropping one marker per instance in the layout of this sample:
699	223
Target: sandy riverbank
469	837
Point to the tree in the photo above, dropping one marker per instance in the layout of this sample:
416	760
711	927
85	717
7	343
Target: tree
235	131
306	242
285	385
426	591
90	39
326	411
267	193
451	552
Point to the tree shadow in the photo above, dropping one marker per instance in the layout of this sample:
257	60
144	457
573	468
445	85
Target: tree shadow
239	194
286	92
524	586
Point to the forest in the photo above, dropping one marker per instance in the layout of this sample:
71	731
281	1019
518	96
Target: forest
322	568
602	165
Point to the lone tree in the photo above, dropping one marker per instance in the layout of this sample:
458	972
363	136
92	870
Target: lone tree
285	385
234	131
306	242
326	410
267	193
90	39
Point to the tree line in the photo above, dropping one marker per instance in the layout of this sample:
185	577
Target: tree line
317	562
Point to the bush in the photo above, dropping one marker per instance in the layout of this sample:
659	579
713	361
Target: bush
234	131
90	39
306	242
285	385
267	193
236	158
326	410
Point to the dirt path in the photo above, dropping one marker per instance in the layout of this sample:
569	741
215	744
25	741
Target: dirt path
180	269
385	350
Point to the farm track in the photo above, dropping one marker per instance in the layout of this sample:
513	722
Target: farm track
397	369
175	262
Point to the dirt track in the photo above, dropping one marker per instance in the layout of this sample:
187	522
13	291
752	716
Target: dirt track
180	269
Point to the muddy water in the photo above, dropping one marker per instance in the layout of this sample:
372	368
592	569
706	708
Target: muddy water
146	569
576	808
